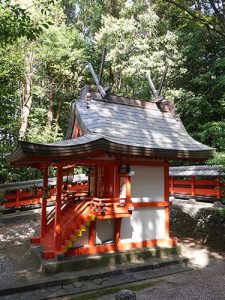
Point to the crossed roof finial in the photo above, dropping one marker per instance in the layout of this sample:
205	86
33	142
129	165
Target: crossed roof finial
156	92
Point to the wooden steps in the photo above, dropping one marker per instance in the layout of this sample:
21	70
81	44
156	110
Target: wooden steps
73	227
75	220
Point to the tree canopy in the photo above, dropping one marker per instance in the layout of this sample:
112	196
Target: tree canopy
44	43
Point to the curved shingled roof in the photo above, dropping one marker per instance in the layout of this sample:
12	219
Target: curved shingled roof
137	127
121	126
205	170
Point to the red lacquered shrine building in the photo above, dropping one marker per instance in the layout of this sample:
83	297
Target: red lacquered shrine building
127	145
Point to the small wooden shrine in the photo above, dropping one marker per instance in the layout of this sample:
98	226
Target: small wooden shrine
127	145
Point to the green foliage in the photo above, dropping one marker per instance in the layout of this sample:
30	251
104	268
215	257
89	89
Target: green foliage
11	77
16	22
136	44
218	159
39	131
212	133
57	78
140	36
8	173
221	210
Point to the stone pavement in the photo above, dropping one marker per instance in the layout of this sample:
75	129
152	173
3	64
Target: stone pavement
21	276
204	281
96	282
207	283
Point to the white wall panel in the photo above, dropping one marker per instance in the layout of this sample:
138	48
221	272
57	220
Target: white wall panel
104	230
144	224
147	184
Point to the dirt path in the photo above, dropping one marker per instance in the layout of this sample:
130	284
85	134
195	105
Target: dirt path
205	281
16	264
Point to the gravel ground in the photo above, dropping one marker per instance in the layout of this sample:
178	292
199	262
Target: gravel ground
208	283
16	264
205	281
17	230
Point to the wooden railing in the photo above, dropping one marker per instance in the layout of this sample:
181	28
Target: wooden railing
104	206
93	206
205	188
74	219
77	213
81	214
20	198
66	201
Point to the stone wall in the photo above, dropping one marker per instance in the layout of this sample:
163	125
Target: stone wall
205	223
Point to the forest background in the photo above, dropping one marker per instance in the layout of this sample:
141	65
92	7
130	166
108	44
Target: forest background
44	45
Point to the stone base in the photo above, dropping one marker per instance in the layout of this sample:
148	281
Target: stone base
79	263
192	201
2	209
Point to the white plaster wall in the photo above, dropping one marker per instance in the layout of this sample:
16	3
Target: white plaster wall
122	187
144	224
83	240
147	184
104	230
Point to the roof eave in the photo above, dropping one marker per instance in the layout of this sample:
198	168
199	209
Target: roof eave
26	153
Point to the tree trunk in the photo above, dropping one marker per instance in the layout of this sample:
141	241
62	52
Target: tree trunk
50	108
57	118
27	97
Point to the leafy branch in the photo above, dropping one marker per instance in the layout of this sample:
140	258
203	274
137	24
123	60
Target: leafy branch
201	19
16	22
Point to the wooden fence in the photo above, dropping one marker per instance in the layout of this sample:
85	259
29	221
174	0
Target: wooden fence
29	193
194	187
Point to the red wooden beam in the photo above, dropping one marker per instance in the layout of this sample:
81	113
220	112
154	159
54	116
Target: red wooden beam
166	199
143	163
128	190
192	185
96	182
171	185
151	204
92	234
17	198
58	229
117	229
218	196
44	202
121	247
116	181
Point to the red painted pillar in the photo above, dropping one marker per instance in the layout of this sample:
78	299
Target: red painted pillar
116	181
109	175
166	198
17	198
192	185
92	234
128	190
218	196
106	181
111	181
58	232
44	202
118	222
172	184
89	184
95	194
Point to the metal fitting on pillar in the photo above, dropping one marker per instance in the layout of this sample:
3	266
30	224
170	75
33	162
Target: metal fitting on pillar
88	99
